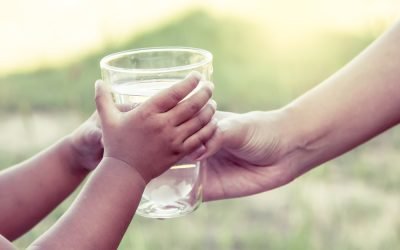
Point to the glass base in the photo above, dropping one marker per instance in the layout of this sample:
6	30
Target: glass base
153	210
175	193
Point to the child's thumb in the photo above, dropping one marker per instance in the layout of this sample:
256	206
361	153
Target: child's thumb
104	103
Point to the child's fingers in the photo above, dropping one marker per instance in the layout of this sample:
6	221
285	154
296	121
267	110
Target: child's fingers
197	153
192	105
212	146
199	121
200	138
169	98
124	107
104	104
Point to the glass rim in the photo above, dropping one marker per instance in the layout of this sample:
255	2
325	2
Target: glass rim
104	62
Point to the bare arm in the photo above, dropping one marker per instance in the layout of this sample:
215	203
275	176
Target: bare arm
164	126
358	102
32	189
101	214
264	150
5	244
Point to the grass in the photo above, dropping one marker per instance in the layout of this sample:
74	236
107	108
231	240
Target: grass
350	203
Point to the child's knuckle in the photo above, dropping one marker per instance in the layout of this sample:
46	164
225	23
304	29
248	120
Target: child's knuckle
175	145
157	127
144	114
175	95
202	120
194	107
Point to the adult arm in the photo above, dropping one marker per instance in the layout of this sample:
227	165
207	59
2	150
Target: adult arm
262	150
355	104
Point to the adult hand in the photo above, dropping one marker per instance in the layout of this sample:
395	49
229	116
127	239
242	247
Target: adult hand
253	155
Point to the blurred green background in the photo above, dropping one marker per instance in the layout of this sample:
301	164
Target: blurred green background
266	53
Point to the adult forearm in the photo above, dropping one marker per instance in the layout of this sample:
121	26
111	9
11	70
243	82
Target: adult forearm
358	102
32	189
102	212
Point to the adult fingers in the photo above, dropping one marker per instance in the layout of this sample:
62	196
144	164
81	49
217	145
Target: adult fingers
226	135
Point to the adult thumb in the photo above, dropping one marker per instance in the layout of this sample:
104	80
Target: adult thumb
229	135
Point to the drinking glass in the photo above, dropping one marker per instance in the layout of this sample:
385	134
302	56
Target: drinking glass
134	76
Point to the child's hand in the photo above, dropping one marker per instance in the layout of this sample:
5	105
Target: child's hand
86	144
162	130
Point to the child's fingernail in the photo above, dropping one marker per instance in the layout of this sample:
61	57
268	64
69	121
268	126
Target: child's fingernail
194	74
213	104
212	86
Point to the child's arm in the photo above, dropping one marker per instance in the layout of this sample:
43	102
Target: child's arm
5	244
31	189
138	146
102	212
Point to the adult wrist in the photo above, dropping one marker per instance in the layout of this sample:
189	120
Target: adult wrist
306	136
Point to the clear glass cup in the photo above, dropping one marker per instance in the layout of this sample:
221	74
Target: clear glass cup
134	76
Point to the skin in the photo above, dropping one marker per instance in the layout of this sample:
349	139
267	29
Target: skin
250	153
32	189
262	150
164	126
